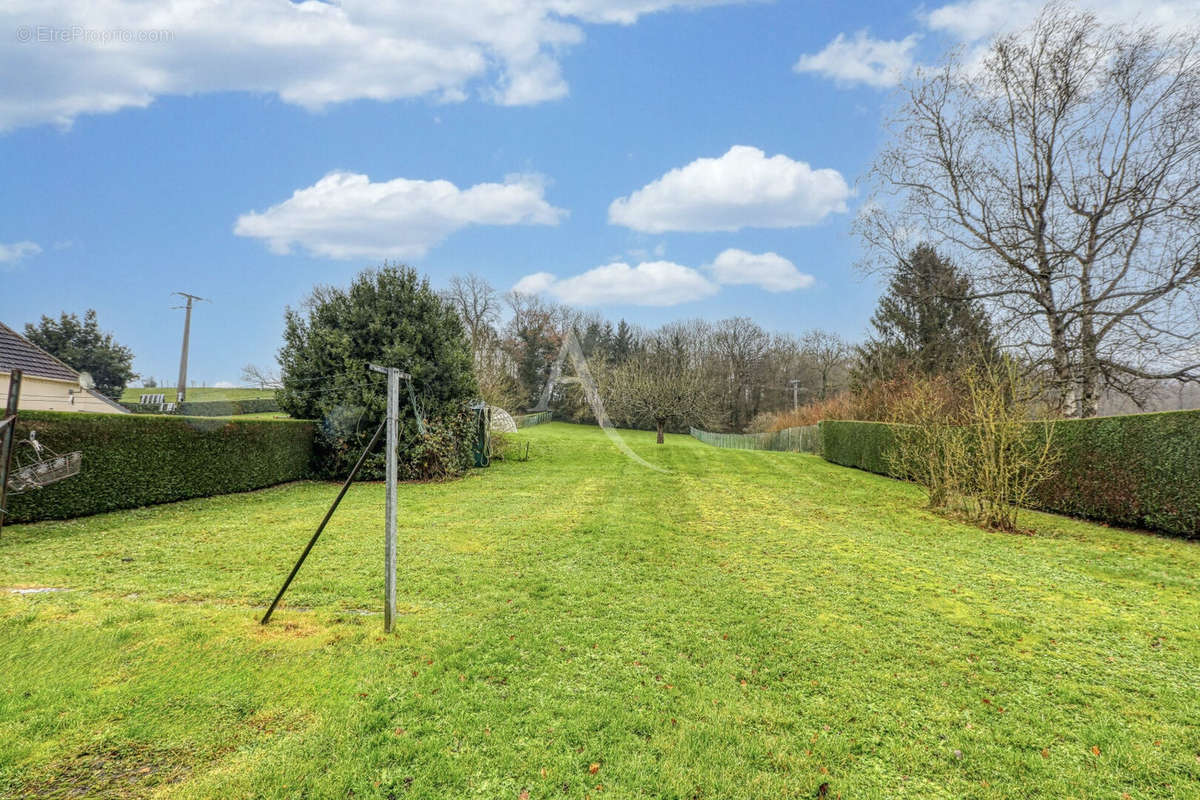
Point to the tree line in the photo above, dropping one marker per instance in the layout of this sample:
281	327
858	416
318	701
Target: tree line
736	369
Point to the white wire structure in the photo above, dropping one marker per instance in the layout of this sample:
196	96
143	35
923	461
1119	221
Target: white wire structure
502	421
47	468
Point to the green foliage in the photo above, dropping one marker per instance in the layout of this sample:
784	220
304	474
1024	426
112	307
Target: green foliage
926	323
213	408
536	348
439	453
1141	470
85	348
863	445
131	461
392	317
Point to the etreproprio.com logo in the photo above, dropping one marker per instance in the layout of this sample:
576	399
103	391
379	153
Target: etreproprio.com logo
74	34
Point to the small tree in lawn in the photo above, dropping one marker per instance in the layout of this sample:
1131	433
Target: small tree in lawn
654	389
82	345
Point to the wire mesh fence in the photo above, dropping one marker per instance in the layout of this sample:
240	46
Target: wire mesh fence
803	439
526	420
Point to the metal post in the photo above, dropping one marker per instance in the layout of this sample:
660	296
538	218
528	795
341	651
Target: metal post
181	391
795	394
394	377
8	429
389	548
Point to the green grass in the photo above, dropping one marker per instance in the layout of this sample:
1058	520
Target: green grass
133	394
745	625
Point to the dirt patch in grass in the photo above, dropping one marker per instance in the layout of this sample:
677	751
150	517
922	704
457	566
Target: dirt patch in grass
287	629
108	772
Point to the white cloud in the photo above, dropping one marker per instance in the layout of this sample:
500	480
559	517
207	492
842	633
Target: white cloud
741	189
972	20
769	271
653	283
223	385
96	56
345	215
883	63
10	254
875	62
536	283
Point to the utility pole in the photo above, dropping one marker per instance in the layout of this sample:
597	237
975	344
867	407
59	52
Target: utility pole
8	430
795	384
389	544
181	392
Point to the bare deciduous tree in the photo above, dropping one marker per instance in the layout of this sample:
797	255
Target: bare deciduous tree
1063	171
739	346
262	377
478	305
828	356
654	387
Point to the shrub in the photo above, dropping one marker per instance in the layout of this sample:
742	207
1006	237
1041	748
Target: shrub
929	443
390	316
1006	454
437	454
839	406
131	461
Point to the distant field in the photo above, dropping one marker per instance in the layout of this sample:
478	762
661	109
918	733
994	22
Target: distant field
133	394
259	415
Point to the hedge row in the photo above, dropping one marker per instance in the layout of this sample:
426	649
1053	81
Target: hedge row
801	439
131	461
863	445
212	408
1140	470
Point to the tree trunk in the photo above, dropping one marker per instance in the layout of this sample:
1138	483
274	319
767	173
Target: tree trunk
1087	390
660	423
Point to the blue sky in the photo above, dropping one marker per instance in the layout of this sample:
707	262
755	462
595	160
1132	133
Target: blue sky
165	162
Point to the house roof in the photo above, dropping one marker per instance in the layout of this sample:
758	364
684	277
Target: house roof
108	401
17	352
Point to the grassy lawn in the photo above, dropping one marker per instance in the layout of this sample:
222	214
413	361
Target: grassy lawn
133	394
744	625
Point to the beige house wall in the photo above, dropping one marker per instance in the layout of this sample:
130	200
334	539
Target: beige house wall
45	394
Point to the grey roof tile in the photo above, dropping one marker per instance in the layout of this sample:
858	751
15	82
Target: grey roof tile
17	352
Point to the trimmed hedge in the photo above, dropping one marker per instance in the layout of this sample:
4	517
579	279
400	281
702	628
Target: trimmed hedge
1138	470
131	461
213	408
863	445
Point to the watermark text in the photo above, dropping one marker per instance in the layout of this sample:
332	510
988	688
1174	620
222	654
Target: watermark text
76	34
